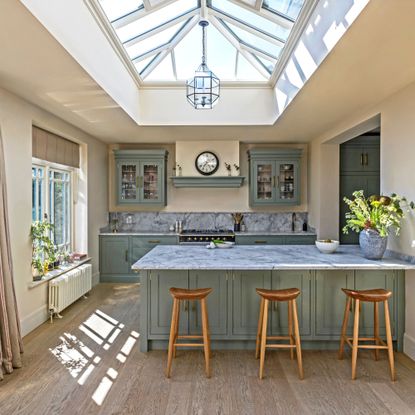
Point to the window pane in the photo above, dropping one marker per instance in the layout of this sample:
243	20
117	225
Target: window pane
252	18
37	193
117	8
163	71
290	8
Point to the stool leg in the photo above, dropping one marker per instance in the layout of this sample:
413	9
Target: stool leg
263	339
290	328
355	337
258	335
389	340
376	327
176	333
344	327
297	340
206	345
173	324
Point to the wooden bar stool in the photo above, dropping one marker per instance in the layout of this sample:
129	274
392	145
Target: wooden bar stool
181	294
288	295
373	296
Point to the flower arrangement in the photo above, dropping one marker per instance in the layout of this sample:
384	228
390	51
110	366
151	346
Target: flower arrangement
237	168
377	213
228	168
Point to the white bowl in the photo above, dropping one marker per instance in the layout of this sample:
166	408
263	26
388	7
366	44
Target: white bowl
326	247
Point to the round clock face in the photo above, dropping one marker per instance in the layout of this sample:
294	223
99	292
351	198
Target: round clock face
207	163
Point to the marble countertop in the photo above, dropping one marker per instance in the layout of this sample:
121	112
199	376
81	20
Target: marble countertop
140	233
269	257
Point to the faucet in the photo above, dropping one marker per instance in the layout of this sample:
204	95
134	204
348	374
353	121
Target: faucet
293	219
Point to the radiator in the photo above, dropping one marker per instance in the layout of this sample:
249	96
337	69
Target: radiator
67	288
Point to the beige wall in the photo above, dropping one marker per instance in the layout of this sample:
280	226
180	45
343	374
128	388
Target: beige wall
210	199
16	119
397	175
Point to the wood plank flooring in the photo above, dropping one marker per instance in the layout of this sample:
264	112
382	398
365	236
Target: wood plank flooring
89	363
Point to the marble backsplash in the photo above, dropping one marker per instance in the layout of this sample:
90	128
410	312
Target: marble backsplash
161	221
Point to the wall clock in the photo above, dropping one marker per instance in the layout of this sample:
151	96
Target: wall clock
207	163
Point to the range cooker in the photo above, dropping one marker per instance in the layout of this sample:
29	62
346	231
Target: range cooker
204	236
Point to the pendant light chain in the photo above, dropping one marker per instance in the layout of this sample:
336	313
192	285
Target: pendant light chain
203	45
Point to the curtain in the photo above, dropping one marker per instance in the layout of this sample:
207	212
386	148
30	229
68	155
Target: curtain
11	345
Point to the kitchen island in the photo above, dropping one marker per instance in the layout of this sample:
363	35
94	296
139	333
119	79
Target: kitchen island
233	305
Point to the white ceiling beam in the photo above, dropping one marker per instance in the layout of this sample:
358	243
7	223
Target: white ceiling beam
236	44
258	4
135	15
203	9
236	64
258	52
248	28
147	4
151	52
167	48
276	18
160	28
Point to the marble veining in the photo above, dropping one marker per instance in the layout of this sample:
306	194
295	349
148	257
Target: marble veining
161	221
248	257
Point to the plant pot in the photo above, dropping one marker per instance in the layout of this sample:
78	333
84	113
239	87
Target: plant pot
236	227
373	245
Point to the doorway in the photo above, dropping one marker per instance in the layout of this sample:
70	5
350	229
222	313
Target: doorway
359	170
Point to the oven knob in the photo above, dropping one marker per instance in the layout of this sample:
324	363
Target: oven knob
206	239
195	238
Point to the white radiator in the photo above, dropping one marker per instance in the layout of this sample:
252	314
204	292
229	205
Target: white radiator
67	288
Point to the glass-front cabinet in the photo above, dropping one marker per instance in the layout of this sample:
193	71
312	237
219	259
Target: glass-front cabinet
141	176
274	176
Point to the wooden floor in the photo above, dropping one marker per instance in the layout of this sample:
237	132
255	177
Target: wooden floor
89	363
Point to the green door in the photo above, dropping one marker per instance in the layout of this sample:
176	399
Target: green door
151	183
366	280
287	182
279	310
330	302
127	181
114	255
263	187
161	302
245	301
217	301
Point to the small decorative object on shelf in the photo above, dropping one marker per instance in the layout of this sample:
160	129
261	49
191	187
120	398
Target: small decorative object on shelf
179	169
237	220
374	217
114	222
77	256
228	168
237	169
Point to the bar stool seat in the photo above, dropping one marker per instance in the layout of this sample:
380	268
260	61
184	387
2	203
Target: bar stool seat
287	295
185	294
374	296
279	295
182	294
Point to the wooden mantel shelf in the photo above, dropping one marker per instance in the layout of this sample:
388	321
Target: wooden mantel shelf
212	181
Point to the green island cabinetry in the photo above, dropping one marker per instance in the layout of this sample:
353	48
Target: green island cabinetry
233	305
274	176
293	239
141	177
117	253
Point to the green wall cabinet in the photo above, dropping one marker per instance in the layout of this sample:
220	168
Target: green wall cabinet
117	253
274	177
141	177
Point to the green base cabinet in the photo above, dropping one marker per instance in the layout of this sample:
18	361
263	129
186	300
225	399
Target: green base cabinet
233	305
117	253
259	239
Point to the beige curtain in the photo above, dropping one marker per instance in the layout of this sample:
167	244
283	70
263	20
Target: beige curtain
10	338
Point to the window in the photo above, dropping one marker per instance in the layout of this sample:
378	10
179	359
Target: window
52	196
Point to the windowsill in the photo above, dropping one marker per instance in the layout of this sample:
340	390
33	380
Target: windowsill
57	272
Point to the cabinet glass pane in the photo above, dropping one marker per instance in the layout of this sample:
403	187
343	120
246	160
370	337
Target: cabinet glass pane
151	180
264	181
128	181
286	181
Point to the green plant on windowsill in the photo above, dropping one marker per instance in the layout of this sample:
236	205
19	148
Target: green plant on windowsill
43	248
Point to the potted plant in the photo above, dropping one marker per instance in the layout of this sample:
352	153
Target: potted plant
375	217
37	269
41	247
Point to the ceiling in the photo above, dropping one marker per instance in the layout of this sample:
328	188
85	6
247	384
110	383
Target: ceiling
372	60
164	42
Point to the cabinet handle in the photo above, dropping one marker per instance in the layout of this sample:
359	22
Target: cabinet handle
361	159
278	181
273	181
126	255
137	182
260	242
155	241
366	159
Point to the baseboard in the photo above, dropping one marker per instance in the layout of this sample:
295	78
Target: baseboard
409	346
95	279
34	319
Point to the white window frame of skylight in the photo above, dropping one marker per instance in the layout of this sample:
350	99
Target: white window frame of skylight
249	54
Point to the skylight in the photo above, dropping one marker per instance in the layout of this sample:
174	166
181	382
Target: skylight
245	38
